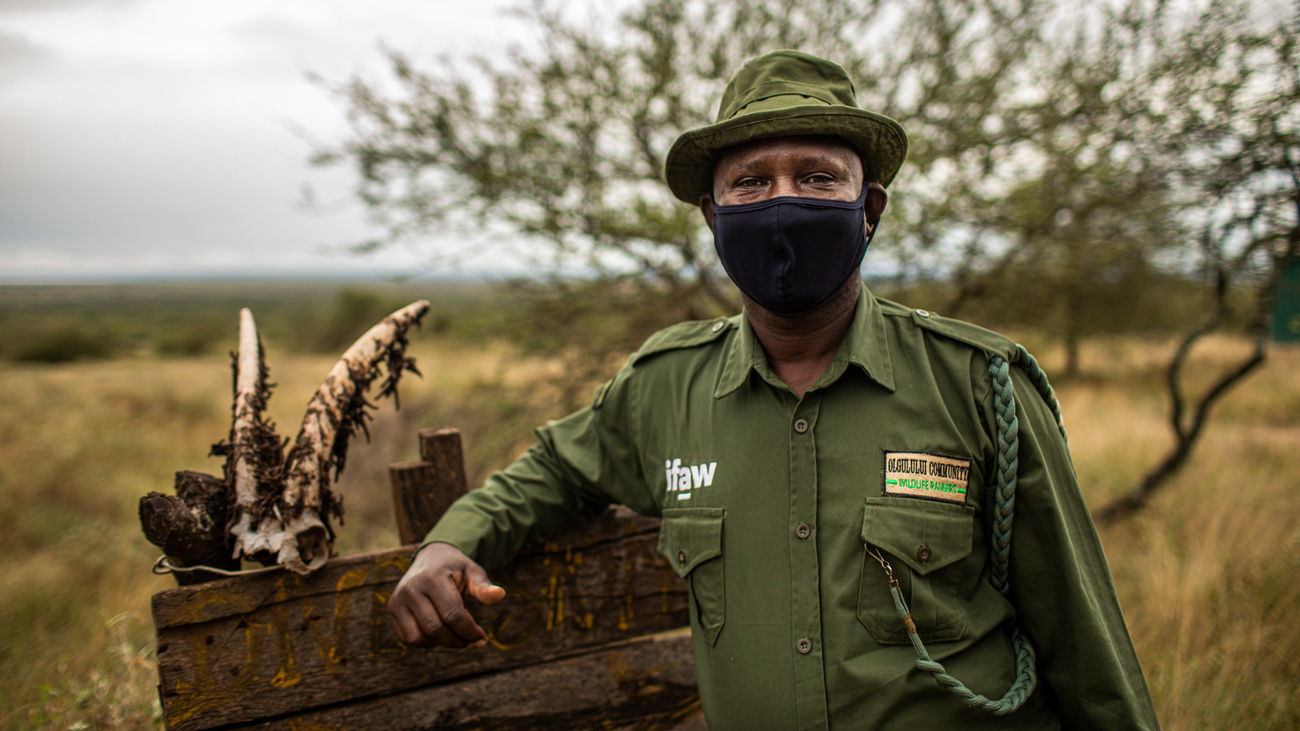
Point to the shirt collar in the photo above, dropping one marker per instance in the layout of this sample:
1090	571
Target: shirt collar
864	345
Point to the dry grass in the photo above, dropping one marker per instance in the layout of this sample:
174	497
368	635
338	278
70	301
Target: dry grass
1208	575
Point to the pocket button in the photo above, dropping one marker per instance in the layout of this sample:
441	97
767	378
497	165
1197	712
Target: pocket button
681	557
923	553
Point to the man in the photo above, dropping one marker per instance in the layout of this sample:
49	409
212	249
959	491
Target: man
806	453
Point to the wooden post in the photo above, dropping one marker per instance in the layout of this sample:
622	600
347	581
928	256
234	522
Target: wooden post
422	491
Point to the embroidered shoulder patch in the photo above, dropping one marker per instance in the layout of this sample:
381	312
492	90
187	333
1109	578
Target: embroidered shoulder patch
929	476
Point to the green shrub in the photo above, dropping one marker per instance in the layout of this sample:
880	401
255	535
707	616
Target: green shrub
63	343
353	312
191	339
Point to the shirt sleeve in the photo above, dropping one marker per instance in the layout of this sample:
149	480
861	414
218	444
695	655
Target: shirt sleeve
579	466
1062	589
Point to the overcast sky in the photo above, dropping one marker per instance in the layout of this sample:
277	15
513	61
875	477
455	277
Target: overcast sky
156	137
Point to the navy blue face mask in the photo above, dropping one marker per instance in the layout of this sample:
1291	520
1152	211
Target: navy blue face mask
789	254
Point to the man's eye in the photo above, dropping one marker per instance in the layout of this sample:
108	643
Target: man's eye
820	179
749	183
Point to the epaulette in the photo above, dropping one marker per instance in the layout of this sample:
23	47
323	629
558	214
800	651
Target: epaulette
684	335
675	337
963	332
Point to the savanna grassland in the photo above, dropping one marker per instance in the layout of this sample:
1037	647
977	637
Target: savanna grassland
1208	574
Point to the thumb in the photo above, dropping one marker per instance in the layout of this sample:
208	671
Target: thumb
480	587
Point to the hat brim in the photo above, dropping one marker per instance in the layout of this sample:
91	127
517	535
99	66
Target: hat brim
880	140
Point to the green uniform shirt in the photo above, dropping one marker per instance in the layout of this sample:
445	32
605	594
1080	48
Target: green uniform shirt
767	500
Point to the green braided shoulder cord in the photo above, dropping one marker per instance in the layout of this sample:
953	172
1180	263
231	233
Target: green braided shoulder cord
1030	367
1004	406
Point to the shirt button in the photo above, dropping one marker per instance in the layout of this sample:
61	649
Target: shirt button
718	326
804	646
802	530
801	426
681	557
923	553
923	313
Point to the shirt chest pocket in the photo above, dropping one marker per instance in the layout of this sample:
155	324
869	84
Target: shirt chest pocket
691	540
928	544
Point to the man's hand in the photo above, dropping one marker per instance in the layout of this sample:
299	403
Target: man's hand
427	608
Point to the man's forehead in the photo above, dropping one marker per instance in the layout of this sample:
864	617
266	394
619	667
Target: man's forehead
813	148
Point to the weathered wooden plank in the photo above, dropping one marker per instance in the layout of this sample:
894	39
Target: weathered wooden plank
422	491
647	684
260	646
239	594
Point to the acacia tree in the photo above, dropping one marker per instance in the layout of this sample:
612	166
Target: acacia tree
1063	218
1231	143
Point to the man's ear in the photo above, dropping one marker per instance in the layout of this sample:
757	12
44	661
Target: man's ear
877	197
706	207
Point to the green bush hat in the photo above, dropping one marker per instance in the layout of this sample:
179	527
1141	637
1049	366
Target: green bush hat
779	94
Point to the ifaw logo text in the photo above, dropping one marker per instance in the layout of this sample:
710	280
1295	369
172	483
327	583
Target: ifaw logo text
682	479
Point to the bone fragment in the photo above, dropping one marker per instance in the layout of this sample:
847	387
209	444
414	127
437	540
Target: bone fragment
332	414
302	544
249	388
254	455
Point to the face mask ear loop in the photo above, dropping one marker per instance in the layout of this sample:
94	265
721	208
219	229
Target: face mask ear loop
875	227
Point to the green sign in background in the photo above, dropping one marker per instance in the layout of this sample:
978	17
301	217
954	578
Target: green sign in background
1286	310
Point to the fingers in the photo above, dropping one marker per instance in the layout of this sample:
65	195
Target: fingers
422	627
433	629
427	608
479	586
404	625
416	618
450	606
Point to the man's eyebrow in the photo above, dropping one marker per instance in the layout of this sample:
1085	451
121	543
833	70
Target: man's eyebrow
809	159
817	159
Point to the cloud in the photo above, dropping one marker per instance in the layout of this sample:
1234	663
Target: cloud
291	47
158	136
27	6
18	55
273	27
